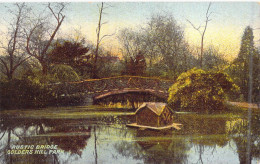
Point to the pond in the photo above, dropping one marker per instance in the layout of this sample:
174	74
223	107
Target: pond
105	138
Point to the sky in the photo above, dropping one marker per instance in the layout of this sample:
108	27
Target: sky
228	21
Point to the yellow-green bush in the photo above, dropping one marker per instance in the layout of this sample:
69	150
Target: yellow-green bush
198	90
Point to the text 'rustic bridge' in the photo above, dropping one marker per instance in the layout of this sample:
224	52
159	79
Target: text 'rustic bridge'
105	87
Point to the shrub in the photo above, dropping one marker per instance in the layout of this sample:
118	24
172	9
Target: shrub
23	94
198	90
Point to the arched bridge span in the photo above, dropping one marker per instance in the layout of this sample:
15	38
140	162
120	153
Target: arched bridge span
105	87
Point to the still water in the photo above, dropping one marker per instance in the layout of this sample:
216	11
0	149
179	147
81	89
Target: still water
212	139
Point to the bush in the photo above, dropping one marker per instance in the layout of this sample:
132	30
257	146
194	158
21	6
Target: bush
198	90
23	94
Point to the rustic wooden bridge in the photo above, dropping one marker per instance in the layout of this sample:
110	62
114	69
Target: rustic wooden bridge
106	87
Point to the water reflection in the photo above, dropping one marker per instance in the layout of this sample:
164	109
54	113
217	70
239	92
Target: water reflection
19	132
240	128
72	139
206	131
160	147
108	140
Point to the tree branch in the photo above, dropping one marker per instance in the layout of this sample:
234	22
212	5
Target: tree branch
28	39
18	64
106	36
5	64
196	28
208	10
56	29
49	6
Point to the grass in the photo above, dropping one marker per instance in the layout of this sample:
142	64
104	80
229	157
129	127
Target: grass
76	112
67	112
213	116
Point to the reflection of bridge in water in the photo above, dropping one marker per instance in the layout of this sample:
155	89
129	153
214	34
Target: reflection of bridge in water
107	87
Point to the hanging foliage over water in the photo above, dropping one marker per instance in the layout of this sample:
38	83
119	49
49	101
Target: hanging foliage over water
133	98
198	90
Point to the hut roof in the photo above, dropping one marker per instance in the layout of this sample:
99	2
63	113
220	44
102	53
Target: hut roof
157	108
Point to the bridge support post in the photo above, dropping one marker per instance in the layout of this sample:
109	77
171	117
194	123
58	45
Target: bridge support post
88	100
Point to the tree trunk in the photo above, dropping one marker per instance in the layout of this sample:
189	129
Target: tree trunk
201	51
9	75
44	67
94	70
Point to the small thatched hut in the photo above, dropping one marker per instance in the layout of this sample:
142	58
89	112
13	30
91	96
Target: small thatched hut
154	114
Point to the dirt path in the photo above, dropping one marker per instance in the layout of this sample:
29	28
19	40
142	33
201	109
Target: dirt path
245	105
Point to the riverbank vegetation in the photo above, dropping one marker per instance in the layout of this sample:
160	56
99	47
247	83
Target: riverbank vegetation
31	61
198	90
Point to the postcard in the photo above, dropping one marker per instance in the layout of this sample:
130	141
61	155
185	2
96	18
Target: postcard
130	82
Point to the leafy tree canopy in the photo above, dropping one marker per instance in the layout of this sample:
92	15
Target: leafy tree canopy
67	52
136	66
64	73
198	90
239	70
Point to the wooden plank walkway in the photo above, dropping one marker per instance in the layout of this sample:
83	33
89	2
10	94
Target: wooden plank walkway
174	125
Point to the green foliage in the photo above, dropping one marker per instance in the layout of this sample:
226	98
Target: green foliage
213	59
23	94
198	90
70	53
35	76
163	45
37	90
67	52
136	66
109	68
63	73
239	69
56	82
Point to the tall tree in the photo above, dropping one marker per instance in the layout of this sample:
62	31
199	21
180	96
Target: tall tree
67	52
99	39
70	53
161	41
131	46
40	35
245	68
14	50
202	32
168	43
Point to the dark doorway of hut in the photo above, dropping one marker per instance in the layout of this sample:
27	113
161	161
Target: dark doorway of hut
155	116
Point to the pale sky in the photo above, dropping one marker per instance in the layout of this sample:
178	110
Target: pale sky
224	31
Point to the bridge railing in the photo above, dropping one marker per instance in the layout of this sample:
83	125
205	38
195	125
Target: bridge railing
122	82
102	85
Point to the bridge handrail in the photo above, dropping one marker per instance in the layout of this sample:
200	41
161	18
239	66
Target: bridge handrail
123	76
